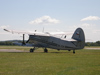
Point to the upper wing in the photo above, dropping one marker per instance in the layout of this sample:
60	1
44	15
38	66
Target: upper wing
40	33
19	32
29	33
61	33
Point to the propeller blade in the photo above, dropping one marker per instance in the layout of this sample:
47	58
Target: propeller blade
23	43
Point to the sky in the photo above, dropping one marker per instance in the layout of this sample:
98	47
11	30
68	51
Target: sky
52	15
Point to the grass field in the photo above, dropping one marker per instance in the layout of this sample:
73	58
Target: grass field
84	62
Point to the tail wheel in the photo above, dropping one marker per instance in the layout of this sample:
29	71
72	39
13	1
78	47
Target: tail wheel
73	51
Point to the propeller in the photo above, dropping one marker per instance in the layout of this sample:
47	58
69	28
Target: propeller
23	43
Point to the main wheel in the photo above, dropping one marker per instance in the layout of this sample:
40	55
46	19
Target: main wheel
45	50
31	50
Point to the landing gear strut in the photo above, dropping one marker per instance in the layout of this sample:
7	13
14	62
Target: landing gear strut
45	50
32	49
73	51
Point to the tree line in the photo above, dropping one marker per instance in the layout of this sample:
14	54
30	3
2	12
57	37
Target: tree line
97	43
6	43
10	43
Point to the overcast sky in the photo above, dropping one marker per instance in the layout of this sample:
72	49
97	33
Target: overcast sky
53	15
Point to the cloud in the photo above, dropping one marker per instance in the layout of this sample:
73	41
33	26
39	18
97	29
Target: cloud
44	20
85	25
96	31
4	26
90	18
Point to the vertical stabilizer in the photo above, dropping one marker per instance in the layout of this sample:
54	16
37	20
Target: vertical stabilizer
80	37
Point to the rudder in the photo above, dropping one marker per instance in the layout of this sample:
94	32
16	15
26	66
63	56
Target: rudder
80	37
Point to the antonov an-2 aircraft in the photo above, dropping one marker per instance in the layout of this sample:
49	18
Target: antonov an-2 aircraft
49	40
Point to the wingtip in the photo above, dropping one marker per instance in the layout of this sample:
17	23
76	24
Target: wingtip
5	30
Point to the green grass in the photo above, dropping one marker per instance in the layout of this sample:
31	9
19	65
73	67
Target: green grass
84	62
92	46
15	47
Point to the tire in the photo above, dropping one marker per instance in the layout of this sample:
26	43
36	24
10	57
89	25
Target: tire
31	50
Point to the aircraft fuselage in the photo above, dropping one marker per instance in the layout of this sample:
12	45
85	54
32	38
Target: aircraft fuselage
51	42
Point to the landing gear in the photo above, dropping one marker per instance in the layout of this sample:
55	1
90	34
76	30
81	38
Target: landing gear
45	50
32	49
73	51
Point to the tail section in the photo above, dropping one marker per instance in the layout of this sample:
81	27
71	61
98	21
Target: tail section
80	37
